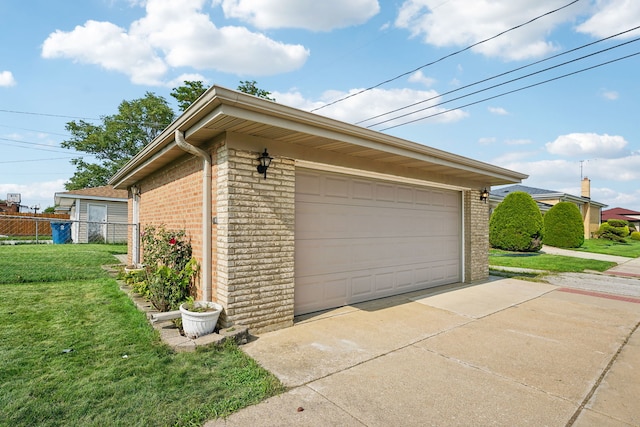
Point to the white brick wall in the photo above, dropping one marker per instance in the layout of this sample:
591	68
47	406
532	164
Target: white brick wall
476	224
255	240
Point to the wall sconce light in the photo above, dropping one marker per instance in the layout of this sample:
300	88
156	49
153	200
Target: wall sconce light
484	195
265	161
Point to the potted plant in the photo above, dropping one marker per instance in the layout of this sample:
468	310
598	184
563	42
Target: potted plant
199	317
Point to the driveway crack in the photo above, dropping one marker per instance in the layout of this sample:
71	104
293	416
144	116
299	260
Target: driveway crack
604	373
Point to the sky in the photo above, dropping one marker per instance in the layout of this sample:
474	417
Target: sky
549	89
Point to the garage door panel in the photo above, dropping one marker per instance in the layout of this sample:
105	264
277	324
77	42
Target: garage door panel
359	239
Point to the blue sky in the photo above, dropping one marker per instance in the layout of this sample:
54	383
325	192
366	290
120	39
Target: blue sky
65	60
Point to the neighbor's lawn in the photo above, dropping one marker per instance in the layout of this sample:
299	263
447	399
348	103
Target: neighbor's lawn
77	352
547	262
602	246
49	263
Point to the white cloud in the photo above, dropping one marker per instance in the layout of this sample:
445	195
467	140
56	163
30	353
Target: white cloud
610	95
579	145
173	34
487	140
447	24
370	104
419	77
312	15
612	16
35	193
564	175
6	79
498	111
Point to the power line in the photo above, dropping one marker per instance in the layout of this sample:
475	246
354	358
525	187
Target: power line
499	84
54	149
514	90
498	75
446	56
37	160
47	115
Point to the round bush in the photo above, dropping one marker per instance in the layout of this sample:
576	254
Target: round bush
635	235
563	226
516	224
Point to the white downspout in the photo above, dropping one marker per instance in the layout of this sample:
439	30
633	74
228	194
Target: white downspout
206	210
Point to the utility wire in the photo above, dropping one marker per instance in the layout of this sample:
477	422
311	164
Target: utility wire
37	160
499	84
498	75
446	56
514	90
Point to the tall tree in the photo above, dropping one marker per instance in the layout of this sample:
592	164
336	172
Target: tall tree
118	138
188	93
251	88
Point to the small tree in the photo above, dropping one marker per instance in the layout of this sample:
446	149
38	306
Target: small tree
251	88
614	229
516	224
563	226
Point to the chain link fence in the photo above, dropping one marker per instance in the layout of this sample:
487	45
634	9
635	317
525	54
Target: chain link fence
16	230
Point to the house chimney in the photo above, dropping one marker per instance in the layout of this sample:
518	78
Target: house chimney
586	188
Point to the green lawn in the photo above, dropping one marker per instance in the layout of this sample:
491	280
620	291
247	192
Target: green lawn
547	262
75	351
630	249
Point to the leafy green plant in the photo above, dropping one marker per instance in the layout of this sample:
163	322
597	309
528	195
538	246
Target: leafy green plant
563	226
635	235
615	230
170	267
516	224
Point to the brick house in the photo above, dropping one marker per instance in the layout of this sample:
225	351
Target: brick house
631	216
590	209
344	214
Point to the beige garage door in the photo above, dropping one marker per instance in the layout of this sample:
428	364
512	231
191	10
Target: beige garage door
358	239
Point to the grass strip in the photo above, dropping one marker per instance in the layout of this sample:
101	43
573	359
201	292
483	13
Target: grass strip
538	261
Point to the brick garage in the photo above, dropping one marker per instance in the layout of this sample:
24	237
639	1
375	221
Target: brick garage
332	189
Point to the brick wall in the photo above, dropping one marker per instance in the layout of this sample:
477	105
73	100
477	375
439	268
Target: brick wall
476	225
173	198
255	241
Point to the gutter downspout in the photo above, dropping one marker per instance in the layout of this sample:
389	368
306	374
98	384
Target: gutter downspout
206	210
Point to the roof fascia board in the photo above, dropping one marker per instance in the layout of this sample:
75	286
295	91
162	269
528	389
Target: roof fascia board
389	144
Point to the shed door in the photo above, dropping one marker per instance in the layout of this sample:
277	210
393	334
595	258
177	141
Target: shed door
358	239
97	223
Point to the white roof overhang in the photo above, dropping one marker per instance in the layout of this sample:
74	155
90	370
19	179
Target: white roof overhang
221	111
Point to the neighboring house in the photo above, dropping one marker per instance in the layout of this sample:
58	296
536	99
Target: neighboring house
625	214
9	208
97	214
343	214
589	209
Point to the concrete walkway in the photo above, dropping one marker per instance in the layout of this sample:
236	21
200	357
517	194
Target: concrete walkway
503	353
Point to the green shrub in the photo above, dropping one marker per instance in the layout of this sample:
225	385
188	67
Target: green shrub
609	232
618	223
563	227
635	235
516	224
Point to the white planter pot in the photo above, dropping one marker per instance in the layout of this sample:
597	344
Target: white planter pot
196	324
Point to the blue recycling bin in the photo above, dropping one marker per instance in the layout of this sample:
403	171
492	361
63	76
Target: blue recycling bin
61	232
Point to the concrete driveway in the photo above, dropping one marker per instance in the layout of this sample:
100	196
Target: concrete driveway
503	353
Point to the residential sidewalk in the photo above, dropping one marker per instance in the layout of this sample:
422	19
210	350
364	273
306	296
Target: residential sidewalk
586	255
627	267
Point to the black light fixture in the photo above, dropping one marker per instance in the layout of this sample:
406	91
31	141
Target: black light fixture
484	195
265	161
